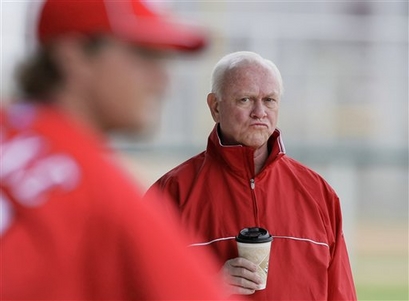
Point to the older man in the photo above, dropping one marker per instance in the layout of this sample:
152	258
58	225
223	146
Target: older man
72	226
244	179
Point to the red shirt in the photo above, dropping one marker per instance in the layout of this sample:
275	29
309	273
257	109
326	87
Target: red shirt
217	193
73	226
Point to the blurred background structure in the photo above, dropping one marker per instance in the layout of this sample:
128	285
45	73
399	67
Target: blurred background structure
344	112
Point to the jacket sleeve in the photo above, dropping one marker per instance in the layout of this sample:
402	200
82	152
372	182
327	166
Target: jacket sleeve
165	196
181	276
340	280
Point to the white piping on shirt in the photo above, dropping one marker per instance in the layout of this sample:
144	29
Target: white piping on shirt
279	237
304	239
210	242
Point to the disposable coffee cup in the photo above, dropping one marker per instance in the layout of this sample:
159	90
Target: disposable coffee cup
254	244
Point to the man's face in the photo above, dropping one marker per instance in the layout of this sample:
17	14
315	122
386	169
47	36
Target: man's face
125	87
248	108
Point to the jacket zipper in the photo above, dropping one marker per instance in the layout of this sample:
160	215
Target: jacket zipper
253	186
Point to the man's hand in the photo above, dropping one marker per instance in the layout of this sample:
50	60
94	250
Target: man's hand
240	277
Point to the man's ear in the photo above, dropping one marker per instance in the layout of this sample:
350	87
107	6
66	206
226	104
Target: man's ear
213	104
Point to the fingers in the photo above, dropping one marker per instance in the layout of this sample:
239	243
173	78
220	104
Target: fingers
240	276
237	290
242	263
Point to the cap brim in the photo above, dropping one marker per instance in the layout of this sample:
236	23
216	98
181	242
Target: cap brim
164	34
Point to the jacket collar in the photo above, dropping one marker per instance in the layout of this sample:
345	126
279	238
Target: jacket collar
240	158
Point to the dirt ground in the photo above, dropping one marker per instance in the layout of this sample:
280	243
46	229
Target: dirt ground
380	259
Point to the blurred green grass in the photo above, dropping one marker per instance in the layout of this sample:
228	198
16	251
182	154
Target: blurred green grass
386	292
380	260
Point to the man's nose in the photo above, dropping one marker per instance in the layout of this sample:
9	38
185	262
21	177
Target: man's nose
159	77
162	76
258	109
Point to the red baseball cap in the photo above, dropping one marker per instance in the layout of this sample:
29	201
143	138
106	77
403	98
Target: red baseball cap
132	20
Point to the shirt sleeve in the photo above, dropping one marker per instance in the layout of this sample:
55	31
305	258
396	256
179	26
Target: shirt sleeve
340	280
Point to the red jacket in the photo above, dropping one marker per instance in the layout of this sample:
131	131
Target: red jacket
217	194
73	226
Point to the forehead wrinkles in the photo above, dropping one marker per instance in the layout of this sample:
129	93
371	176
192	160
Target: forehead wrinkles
250	78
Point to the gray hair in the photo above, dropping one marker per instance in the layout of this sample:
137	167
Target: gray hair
237	59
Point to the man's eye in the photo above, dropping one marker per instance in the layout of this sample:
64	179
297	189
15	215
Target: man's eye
245	99
271	101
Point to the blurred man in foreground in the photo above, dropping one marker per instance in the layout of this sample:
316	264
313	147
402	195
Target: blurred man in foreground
244	179
72	224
